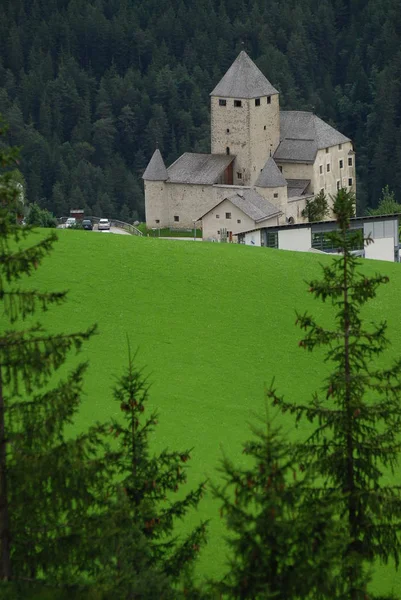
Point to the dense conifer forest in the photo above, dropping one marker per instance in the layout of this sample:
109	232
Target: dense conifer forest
89	87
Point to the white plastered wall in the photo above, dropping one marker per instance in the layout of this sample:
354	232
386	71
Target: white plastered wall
381	249
216	220
295	239
252	238
296	170
327	180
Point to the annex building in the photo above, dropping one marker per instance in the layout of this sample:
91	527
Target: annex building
263	166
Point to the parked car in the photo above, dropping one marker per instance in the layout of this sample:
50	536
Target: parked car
87	224
104	225
70	222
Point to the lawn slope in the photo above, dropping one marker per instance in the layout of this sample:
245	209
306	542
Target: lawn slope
213	324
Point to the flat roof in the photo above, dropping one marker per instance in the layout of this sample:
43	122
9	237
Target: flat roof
303	225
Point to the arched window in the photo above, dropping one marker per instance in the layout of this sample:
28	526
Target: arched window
227	150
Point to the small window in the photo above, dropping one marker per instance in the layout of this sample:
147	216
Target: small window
275	195
350	181
350	161
239	175
227	150
228	131
157	220
217	216
228	215
327	150
222	102
176	218
218	232
341	164
238	220
338	184
340	146
264	127
321	169
269	100
281	169
257	101
238	103
328	167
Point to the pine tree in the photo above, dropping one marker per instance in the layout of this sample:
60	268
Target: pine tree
317	208
357	414
283	543
146	487
51	484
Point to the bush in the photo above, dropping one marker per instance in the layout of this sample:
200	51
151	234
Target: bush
40	217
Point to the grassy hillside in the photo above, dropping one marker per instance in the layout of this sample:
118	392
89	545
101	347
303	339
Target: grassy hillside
213	324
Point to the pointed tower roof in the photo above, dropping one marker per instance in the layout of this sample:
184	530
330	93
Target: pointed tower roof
243	80
270	176
156	169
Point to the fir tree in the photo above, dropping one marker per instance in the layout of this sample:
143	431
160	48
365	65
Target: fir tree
283	543
146	488
357	414
51	484
316	209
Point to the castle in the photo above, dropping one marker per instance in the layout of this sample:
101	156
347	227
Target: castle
264	163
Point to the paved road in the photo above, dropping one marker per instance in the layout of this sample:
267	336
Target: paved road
114	230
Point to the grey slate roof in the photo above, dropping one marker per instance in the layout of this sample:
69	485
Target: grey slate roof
297	187
270	176
198	168
243	80
156	169
252	204
302	134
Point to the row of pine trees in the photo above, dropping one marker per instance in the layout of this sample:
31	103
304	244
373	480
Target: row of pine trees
90	86
94	516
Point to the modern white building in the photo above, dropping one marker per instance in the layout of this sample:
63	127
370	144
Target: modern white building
264	162
307	237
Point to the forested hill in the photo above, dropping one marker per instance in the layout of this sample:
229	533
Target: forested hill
89	86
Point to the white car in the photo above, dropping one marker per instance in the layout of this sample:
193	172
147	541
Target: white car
104	225
70	222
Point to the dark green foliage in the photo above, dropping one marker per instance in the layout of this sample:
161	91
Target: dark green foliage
52	486
357	414
119	76
40	217
316	209
283	543
147	507
387	204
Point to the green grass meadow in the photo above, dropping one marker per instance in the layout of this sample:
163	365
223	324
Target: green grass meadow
213	324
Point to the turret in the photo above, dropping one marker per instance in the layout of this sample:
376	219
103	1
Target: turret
156	205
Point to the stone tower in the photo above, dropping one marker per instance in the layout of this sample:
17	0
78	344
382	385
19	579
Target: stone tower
156	204
245	119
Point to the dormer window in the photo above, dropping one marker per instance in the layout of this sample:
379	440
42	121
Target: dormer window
222	102
257	101
269	100
238	103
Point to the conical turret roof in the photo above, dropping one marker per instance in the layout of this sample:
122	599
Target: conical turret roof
243	80
270	176
156	169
